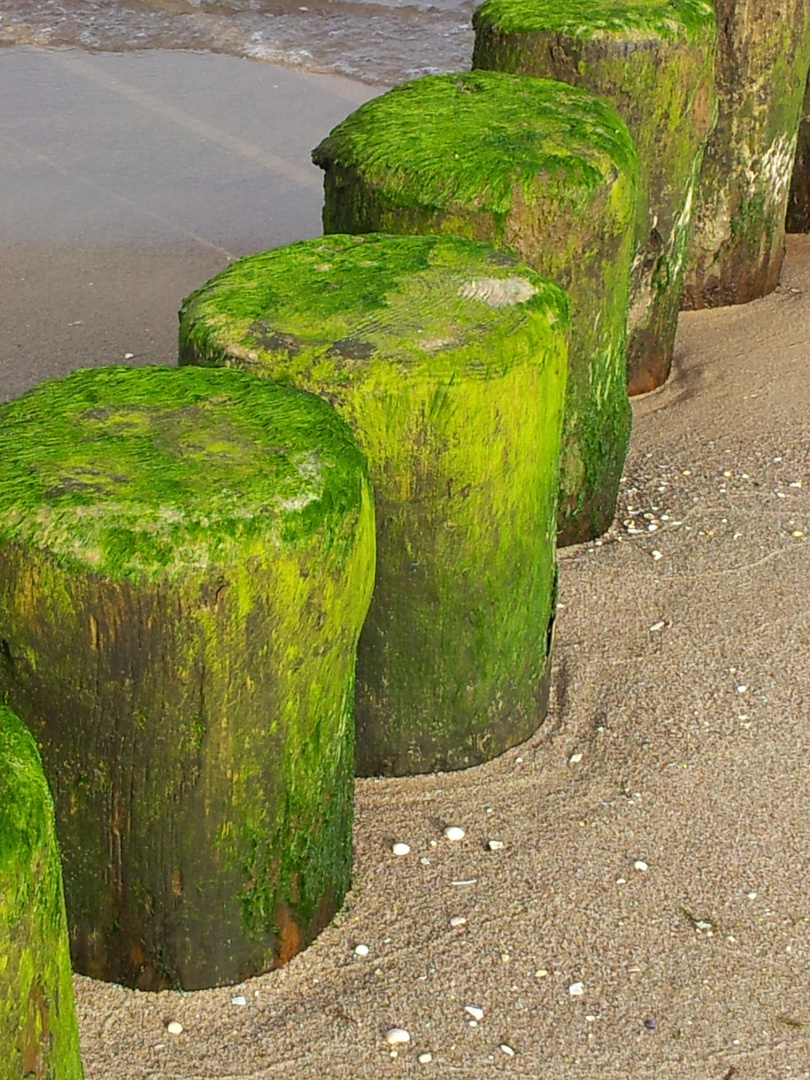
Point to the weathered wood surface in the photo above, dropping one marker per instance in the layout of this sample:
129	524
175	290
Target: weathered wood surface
738	229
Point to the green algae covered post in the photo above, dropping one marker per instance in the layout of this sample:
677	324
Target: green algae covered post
187	563
798	211
448	359
39	1037
536	168
653	61
738	227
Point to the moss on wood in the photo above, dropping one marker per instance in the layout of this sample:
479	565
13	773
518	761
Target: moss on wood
448	359
538	169
653	61
737	242
798	211
39	1038
188	560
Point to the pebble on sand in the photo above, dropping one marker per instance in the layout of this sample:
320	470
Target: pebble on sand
174	1027
453	832
507	1049
495	845
474	1012
640	865
575	759
458	920
397	1036
361	950
425	1059
238	999
401	849
576	989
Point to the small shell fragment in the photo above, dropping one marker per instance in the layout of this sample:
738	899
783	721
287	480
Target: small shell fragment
639	864
401	849
474	1012
453	833
238	999
174	1027
397	1036
458	920
425	1059
495	845
361	950
507	1049
576	989
575	759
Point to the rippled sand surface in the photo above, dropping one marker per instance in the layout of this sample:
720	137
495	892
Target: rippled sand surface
378	41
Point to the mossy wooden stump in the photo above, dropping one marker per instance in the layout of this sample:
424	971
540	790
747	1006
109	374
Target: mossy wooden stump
39	1038
738	228
448	360
187	562
798	211
653	61
536	168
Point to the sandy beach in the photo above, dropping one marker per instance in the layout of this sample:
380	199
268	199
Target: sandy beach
647	916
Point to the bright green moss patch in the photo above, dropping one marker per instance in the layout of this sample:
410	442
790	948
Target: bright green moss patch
468	140
144	472
38	1033
586	19
448	359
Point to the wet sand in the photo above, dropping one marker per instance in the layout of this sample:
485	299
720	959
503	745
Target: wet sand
681	678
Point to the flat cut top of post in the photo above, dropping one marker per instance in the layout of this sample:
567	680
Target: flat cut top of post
144	473
469	140
340	309
589	19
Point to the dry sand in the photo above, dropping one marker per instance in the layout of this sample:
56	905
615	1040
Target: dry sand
683	681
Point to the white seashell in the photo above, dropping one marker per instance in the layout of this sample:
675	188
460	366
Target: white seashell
425	1059
397	1036
474	1012
576	989
458	920
401	849
575	759
238	999
174	1028
507	1049
453	832
640	865
361	950
495	845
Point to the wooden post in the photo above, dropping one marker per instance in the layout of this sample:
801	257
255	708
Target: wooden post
738	227
187	563
448	360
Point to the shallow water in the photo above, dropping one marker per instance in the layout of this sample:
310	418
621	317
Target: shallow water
378	41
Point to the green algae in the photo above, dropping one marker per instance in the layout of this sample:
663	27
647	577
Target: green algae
669	20
189	465
448	361
193	698
38	1031
538	169
737	241
654	63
